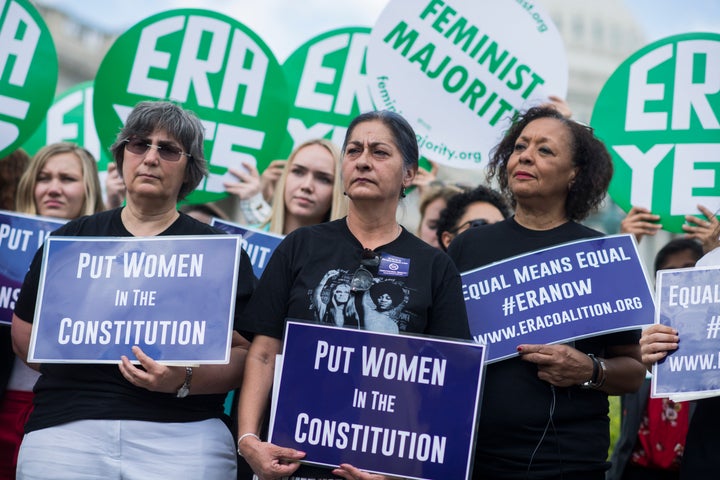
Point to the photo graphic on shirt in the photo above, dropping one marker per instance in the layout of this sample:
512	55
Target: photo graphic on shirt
381	308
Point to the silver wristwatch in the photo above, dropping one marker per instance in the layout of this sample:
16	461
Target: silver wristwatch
184	389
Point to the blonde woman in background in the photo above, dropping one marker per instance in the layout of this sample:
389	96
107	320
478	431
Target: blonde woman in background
60	181
309	190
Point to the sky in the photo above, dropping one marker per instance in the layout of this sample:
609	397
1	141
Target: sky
286	24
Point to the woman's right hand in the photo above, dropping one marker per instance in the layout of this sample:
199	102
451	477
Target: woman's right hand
640	222
269	461
248	184
656	342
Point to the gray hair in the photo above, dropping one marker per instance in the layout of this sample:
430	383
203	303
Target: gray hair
183	125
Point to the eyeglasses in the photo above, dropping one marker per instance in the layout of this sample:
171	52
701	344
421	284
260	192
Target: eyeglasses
478	222
362	279
167	152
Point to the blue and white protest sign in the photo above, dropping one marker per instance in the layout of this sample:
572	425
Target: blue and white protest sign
173	296
399	405
258	244
555	295
20	237
688	299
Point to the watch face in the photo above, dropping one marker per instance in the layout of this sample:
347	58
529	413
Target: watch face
183	391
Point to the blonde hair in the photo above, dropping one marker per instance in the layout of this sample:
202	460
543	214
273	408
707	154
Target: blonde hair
338	206
92	203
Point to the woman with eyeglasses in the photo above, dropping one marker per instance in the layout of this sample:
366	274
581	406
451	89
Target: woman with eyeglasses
379	160
474	208
544	414
61	181
148	420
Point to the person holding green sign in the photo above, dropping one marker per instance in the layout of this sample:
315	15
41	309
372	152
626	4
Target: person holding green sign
152	420
307	191
544	414
640	222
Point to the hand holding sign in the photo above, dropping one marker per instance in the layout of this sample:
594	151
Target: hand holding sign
349	472
559	365
657	342
155	377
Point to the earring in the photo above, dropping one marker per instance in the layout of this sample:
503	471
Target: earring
402	192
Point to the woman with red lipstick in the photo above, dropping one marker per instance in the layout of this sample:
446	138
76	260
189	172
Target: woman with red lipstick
544	414
380	159
61	180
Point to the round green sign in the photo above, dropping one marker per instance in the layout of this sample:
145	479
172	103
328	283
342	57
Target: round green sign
328	87
212	65
658	115
28	72
70	119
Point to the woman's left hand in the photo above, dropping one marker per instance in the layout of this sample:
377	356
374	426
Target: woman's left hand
560	365
155	377
349	472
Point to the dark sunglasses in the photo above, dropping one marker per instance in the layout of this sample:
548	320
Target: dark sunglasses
478	222
167	152
362	279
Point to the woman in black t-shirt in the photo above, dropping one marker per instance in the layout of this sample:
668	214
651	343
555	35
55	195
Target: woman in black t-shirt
536	422
380	159
136	421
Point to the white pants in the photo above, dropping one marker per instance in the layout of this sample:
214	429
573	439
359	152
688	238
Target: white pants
128	450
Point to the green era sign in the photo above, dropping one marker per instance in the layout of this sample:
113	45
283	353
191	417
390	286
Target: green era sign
28	72
658	115
212	65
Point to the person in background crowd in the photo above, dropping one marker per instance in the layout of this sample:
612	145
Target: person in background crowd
657	342
653	430
479	206
307	192
434	201
544	414
12	167
61	180
163	425
380	158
